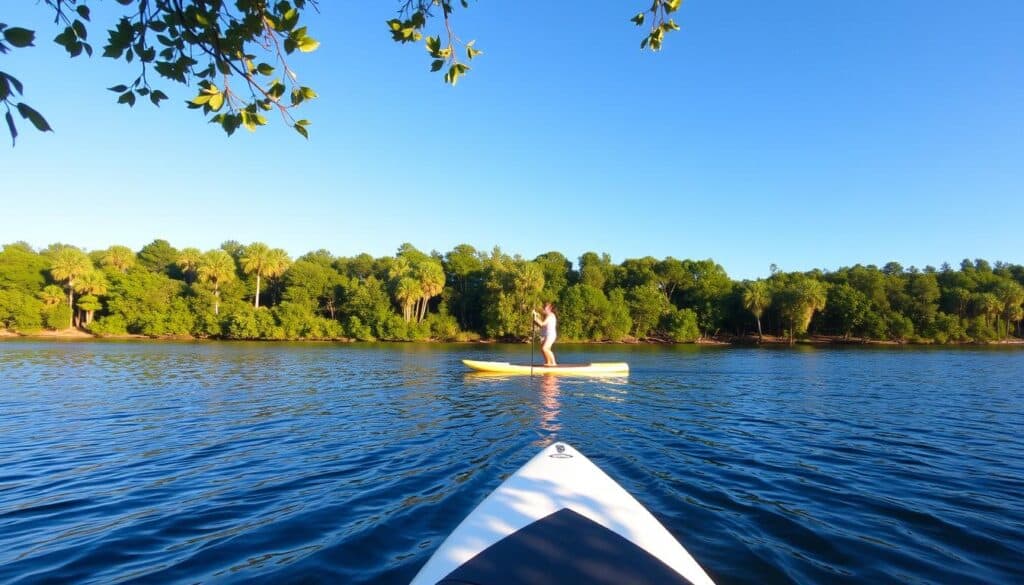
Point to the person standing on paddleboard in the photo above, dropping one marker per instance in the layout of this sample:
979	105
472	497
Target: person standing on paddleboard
548	332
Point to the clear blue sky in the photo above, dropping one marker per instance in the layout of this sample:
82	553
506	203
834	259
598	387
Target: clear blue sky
801	133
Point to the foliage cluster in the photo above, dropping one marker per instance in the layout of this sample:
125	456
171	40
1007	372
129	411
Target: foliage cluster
257	292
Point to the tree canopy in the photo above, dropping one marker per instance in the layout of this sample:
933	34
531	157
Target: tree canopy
257	292
235	54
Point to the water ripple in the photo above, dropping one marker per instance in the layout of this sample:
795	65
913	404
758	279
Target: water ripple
196	462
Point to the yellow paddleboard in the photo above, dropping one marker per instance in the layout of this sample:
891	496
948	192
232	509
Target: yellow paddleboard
595	369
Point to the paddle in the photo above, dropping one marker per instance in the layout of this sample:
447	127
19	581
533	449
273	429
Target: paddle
533	339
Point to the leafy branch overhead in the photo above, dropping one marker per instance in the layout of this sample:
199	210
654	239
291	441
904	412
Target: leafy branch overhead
235	53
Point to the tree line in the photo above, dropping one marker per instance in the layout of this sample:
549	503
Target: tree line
257	292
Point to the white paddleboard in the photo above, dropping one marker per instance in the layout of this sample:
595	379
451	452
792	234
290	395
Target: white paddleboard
560	519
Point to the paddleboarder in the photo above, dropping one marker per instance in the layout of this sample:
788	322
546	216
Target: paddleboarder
548	332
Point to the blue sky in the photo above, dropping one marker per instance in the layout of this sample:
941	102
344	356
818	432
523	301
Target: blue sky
801	133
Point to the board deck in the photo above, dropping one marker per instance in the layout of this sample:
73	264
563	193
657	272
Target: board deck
594	369
560	519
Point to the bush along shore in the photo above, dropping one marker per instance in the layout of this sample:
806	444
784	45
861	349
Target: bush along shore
257	292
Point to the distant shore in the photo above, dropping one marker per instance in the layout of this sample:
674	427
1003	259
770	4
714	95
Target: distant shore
72	334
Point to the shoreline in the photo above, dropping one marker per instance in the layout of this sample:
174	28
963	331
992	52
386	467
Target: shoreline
72	334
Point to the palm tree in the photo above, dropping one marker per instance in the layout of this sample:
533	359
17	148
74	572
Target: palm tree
407	292
1011	297
799	302
258	258
756	298
278	263
121	258
988	305
90	284
188	260
431	283
68	265
51	295
216	267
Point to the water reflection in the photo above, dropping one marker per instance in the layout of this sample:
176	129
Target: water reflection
550	409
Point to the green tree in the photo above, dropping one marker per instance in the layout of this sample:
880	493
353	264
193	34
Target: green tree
672	277
1011	297
119	258
647	306
188	261
51	295
408	292
756	298
705	290
314	281
595	270
798	302
264	262
149	303
513	287
557	270
22	269
68	265
847	309
988	306
92	284
216	268
20	311
681	325
229	51
159	256
583	313
464	266
431	281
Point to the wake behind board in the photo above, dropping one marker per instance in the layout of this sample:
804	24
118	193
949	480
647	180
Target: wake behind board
560	519
595	369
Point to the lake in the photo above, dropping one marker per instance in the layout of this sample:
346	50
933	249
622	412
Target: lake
241	462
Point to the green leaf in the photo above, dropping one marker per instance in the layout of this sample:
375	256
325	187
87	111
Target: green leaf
118	88
19	37
289	19
156	96
79	29
308	93
437	65
638	19
83	11
127	98
308	44
35	117
11	127
301	130
14	83
264	69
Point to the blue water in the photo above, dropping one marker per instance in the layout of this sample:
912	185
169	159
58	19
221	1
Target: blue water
233	462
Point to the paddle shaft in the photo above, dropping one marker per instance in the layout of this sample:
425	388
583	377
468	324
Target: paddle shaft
533	339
